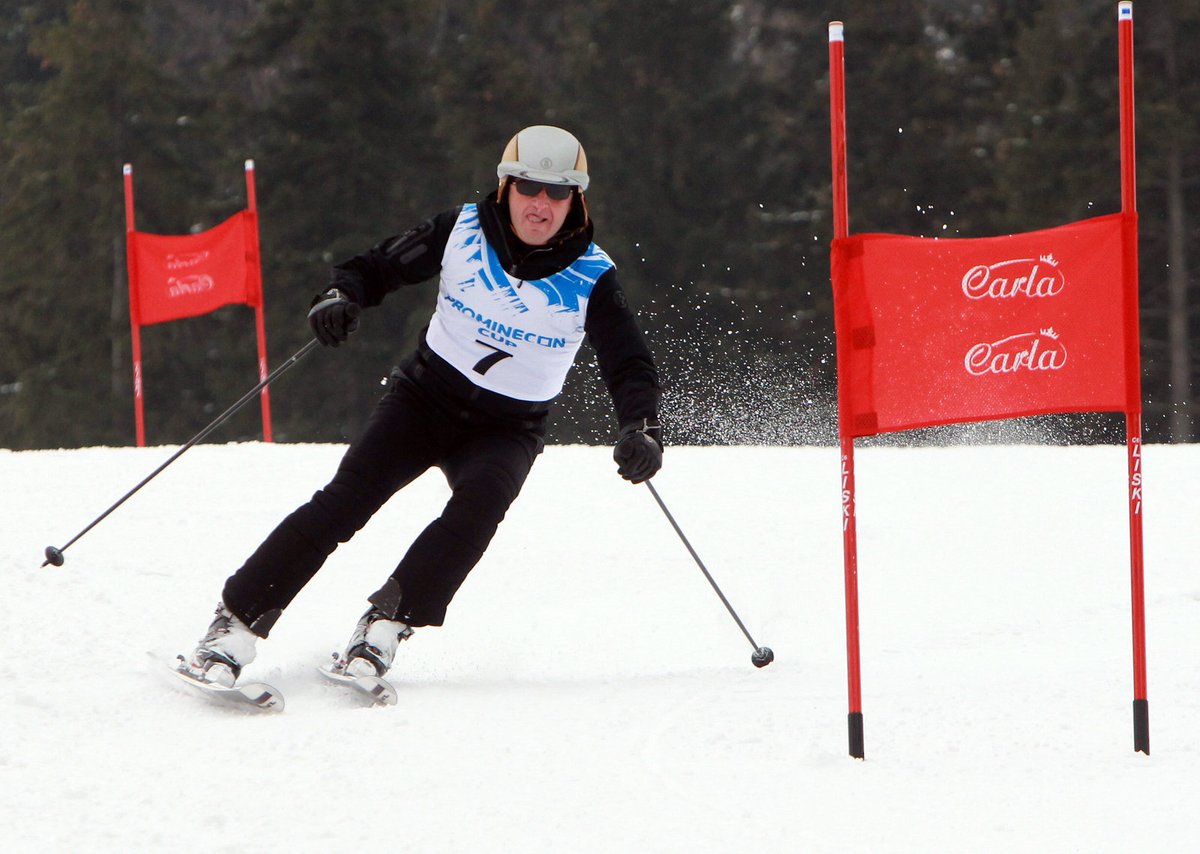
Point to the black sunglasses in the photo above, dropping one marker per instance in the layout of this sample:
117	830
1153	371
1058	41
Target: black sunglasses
558	192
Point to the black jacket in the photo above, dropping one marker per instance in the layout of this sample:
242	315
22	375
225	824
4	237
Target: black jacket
626	365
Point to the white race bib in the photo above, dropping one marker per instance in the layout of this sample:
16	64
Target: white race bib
506	335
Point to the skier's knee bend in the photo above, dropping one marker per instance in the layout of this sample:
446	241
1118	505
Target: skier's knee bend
475	511
343	507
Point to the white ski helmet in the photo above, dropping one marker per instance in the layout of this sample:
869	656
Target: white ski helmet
544	153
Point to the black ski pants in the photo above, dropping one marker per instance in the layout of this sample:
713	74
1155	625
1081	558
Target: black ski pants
422	421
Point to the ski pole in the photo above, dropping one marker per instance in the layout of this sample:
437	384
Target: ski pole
762	655
55	555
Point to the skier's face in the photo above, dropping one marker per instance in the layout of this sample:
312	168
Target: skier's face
536	219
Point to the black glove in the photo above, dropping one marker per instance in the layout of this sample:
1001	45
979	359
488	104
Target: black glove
639	450
333	317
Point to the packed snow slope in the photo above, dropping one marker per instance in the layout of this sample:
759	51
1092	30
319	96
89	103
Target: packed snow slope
589	691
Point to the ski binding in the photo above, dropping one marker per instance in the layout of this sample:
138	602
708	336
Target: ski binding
379	690
254	695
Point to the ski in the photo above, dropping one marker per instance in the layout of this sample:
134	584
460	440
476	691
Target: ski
376	688
251	695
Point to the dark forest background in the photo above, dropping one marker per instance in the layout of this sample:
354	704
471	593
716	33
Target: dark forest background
707	131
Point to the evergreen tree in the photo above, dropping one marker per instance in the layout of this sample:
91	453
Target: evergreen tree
1168	141
334	101
1060	162
103	101
706	126
660	96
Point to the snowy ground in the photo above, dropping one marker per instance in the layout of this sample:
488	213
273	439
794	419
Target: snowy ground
589	692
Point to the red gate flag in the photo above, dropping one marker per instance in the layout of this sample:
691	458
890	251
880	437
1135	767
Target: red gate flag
936	331
184	275
188	275
939	331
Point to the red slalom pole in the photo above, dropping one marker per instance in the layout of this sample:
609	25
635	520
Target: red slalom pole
841	229
1133	406
139	418
260	330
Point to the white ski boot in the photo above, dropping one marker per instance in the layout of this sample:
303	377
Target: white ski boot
227	647
372	647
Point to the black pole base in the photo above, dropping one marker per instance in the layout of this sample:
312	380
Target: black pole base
1141	726
855	721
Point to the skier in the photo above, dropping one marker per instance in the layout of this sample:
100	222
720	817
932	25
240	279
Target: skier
520	285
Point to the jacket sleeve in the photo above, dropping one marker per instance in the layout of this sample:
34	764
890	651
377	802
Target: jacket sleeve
626	364
405	259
